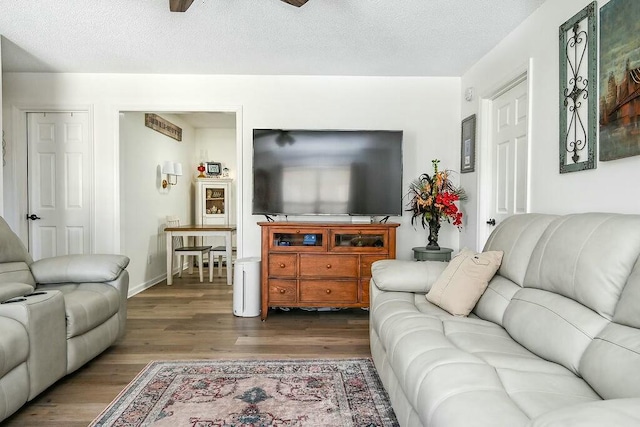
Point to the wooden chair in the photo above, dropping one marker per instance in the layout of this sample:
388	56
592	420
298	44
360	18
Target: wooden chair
187	251
220	252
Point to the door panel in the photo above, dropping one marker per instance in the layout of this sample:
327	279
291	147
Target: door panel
521	164
58	183
502	174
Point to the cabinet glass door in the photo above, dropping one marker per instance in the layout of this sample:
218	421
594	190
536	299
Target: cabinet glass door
357	240
214	201
300	239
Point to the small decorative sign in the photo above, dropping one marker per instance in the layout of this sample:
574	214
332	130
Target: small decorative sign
163	126
214	168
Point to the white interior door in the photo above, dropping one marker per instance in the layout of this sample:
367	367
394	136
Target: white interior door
58	183
509	147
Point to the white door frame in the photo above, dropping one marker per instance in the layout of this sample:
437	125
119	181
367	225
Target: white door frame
117	232
19	164
517	76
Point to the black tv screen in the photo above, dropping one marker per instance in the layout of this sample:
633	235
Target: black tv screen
327	172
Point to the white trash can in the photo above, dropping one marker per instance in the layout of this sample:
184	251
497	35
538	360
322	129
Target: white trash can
246	287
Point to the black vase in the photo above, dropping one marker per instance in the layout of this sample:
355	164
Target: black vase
434	228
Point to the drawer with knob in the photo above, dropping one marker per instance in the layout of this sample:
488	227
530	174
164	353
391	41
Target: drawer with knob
282	290
328	291
328	265
282	265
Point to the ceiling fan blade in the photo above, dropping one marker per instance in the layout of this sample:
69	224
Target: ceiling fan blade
179	5
296	3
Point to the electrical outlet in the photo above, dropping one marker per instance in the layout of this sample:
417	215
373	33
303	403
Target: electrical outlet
149	260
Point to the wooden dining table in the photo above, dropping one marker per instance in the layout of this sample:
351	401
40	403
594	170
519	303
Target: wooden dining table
193	231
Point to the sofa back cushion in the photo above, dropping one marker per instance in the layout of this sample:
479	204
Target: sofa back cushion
611	363
496	299
552	326
11	247
16	272
517	237
578	306
587	258
628	311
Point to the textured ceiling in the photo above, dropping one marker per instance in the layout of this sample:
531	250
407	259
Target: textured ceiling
324	37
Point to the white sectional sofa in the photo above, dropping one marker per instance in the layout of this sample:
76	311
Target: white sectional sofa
553	341
56	314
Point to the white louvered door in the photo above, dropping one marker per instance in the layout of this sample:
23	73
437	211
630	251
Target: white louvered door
58	183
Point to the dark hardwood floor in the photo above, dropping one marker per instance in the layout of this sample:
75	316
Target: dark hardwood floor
192	320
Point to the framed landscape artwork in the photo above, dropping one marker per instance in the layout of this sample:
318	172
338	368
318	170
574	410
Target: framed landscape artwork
619	79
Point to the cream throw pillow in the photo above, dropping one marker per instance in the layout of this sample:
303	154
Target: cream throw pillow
463	282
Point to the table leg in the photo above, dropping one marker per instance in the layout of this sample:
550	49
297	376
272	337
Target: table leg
169	237
228	242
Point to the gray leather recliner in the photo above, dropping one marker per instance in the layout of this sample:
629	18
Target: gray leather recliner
56	314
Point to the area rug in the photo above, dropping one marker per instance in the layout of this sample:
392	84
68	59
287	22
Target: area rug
257	393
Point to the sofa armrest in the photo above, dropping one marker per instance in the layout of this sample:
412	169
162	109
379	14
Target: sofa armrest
79	268
14	289
406	276
610	413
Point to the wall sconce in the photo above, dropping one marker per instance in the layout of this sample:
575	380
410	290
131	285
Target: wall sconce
171	169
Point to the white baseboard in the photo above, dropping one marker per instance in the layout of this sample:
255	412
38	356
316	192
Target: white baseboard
151	282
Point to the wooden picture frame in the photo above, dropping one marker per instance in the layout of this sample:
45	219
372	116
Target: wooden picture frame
468	145
214	168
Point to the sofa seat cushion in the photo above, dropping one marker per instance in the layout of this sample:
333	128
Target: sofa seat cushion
444	363
14	345
87	305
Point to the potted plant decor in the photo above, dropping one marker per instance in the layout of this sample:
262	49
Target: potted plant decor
432	200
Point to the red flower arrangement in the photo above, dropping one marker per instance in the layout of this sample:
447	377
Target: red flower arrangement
433	199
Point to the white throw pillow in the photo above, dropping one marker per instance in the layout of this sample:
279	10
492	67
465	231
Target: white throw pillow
463	282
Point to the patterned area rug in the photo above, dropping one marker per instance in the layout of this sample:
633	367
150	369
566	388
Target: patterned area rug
256	393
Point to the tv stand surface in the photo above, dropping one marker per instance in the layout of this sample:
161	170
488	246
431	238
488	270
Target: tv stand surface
309	264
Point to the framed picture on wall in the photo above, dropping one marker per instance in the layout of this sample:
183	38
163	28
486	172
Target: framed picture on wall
468	145
619	80
214	168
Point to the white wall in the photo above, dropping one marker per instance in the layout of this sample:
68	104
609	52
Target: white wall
612	187
144	203
426	109
219	145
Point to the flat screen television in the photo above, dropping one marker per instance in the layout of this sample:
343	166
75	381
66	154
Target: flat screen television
327	172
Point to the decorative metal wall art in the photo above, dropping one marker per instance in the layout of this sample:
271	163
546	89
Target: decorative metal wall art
578	96
619	79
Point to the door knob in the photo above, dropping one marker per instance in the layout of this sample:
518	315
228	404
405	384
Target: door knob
492	221
33	217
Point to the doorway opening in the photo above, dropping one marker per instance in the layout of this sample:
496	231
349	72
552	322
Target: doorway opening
206	137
